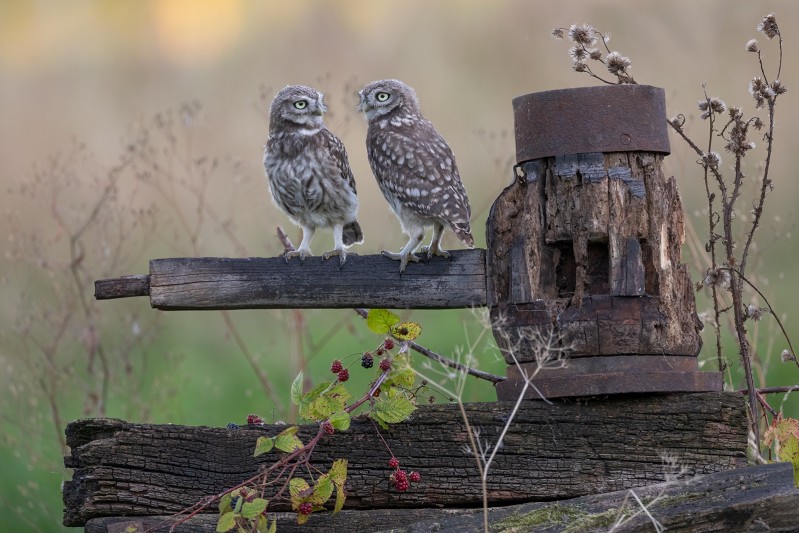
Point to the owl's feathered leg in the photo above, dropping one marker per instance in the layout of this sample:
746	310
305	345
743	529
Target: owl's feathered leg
406	254
435	243
305	246
338	245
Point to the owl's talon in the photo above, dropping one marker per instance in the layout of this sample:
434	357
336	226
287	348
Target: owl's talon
431	251
302	254
342	255
403	259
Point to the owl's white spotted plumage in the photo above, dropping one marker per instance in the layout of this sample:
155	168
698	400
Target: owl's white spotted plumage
309	175
415	169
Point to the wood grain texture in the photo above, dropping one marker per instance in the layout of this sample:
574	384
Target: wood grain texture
363	281
122	287
569	449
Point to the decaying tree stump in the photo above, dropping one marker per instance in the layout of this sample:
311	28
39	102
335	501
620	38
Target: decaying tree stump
584	246
569	449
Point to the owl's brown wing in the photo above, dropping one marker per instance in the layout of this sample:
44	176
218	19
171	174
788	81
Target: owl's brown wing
338	158
415	165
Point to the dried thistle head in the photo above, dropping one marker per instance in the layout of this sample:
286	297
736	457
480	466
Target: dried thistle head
578	53
617	63
752	46
717	277
584	34
754	312
712	160
711	105
787	356
769	26
557	33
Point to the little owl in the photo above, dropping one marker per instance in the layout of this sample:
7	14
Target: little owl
309	175
415	169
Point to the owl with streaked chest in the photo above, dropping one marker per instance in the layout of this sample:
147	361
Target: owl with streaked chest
308	171
414	168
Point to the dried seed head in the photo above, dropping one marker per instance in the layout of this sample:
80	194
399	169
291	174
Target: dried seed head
717	278
712	160
754	312
787	356
777	87
751	46
677	121
617	63
578	53
585	34
757	123
579	66
557	33
595	54
769	26
736	113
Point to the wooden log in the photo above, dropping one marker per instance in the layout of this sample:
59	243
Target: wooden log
758	498
272	283
569	449
363	281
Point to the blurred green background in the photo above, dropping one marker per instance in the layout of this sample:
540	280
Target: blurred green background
134	130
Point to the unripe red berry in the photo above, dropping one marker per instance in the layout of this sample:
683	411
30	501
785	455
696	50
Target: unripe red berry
254	419
343	375
389	344
400	475
328	428
393	463
385	364
402	486
305	508
415	477
336	366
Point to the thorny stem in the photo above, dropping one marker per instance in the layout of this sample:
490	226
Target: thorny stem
288	246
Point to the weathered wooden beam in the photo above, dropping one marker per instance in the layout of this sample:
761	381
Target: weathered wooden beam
758	498
274	283
569	449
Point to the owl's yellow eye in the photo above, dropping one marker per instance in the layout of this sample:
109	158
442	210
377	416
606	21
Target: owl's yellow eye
300	104
382	96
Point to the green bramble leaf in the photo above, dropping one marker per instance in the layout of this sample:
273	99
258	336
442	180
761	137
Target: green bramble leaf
404	378
254	508
340	420
224	503
324	405
262	525
226	522
296	389
322	490
297	486
287	440
338	472
406	331
786	433
380	320
392	410
263	445
302	518
341	497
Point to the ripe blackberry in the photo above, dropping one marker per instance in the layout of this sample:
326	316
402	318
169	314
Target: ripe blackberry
343	375
305	508
367	360
415	477
393	463
232	425
385	364
336	366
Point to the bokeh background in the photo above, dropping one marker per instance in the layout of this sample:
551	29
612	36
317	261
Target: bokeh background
134	130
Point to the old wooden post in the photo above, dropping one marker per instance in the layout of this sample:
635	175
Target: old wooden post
584	248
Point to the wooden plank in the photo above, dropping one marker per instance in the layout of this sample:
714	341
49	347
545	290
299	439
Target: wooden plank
758	498
122	287
569	449
273	283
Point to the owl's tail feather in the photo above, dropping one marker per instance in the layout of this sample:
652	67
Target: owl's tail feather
463	232
352	233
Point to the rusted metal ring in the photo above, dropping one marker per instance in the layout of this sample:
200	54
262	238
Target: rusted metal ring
611	118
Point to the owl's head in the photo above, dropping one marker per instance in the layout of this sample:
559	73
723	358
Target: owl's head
299	105
380	98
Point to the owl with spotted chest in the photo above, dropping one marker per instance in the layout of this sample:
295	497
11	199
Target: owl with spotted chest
308	172
415	169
